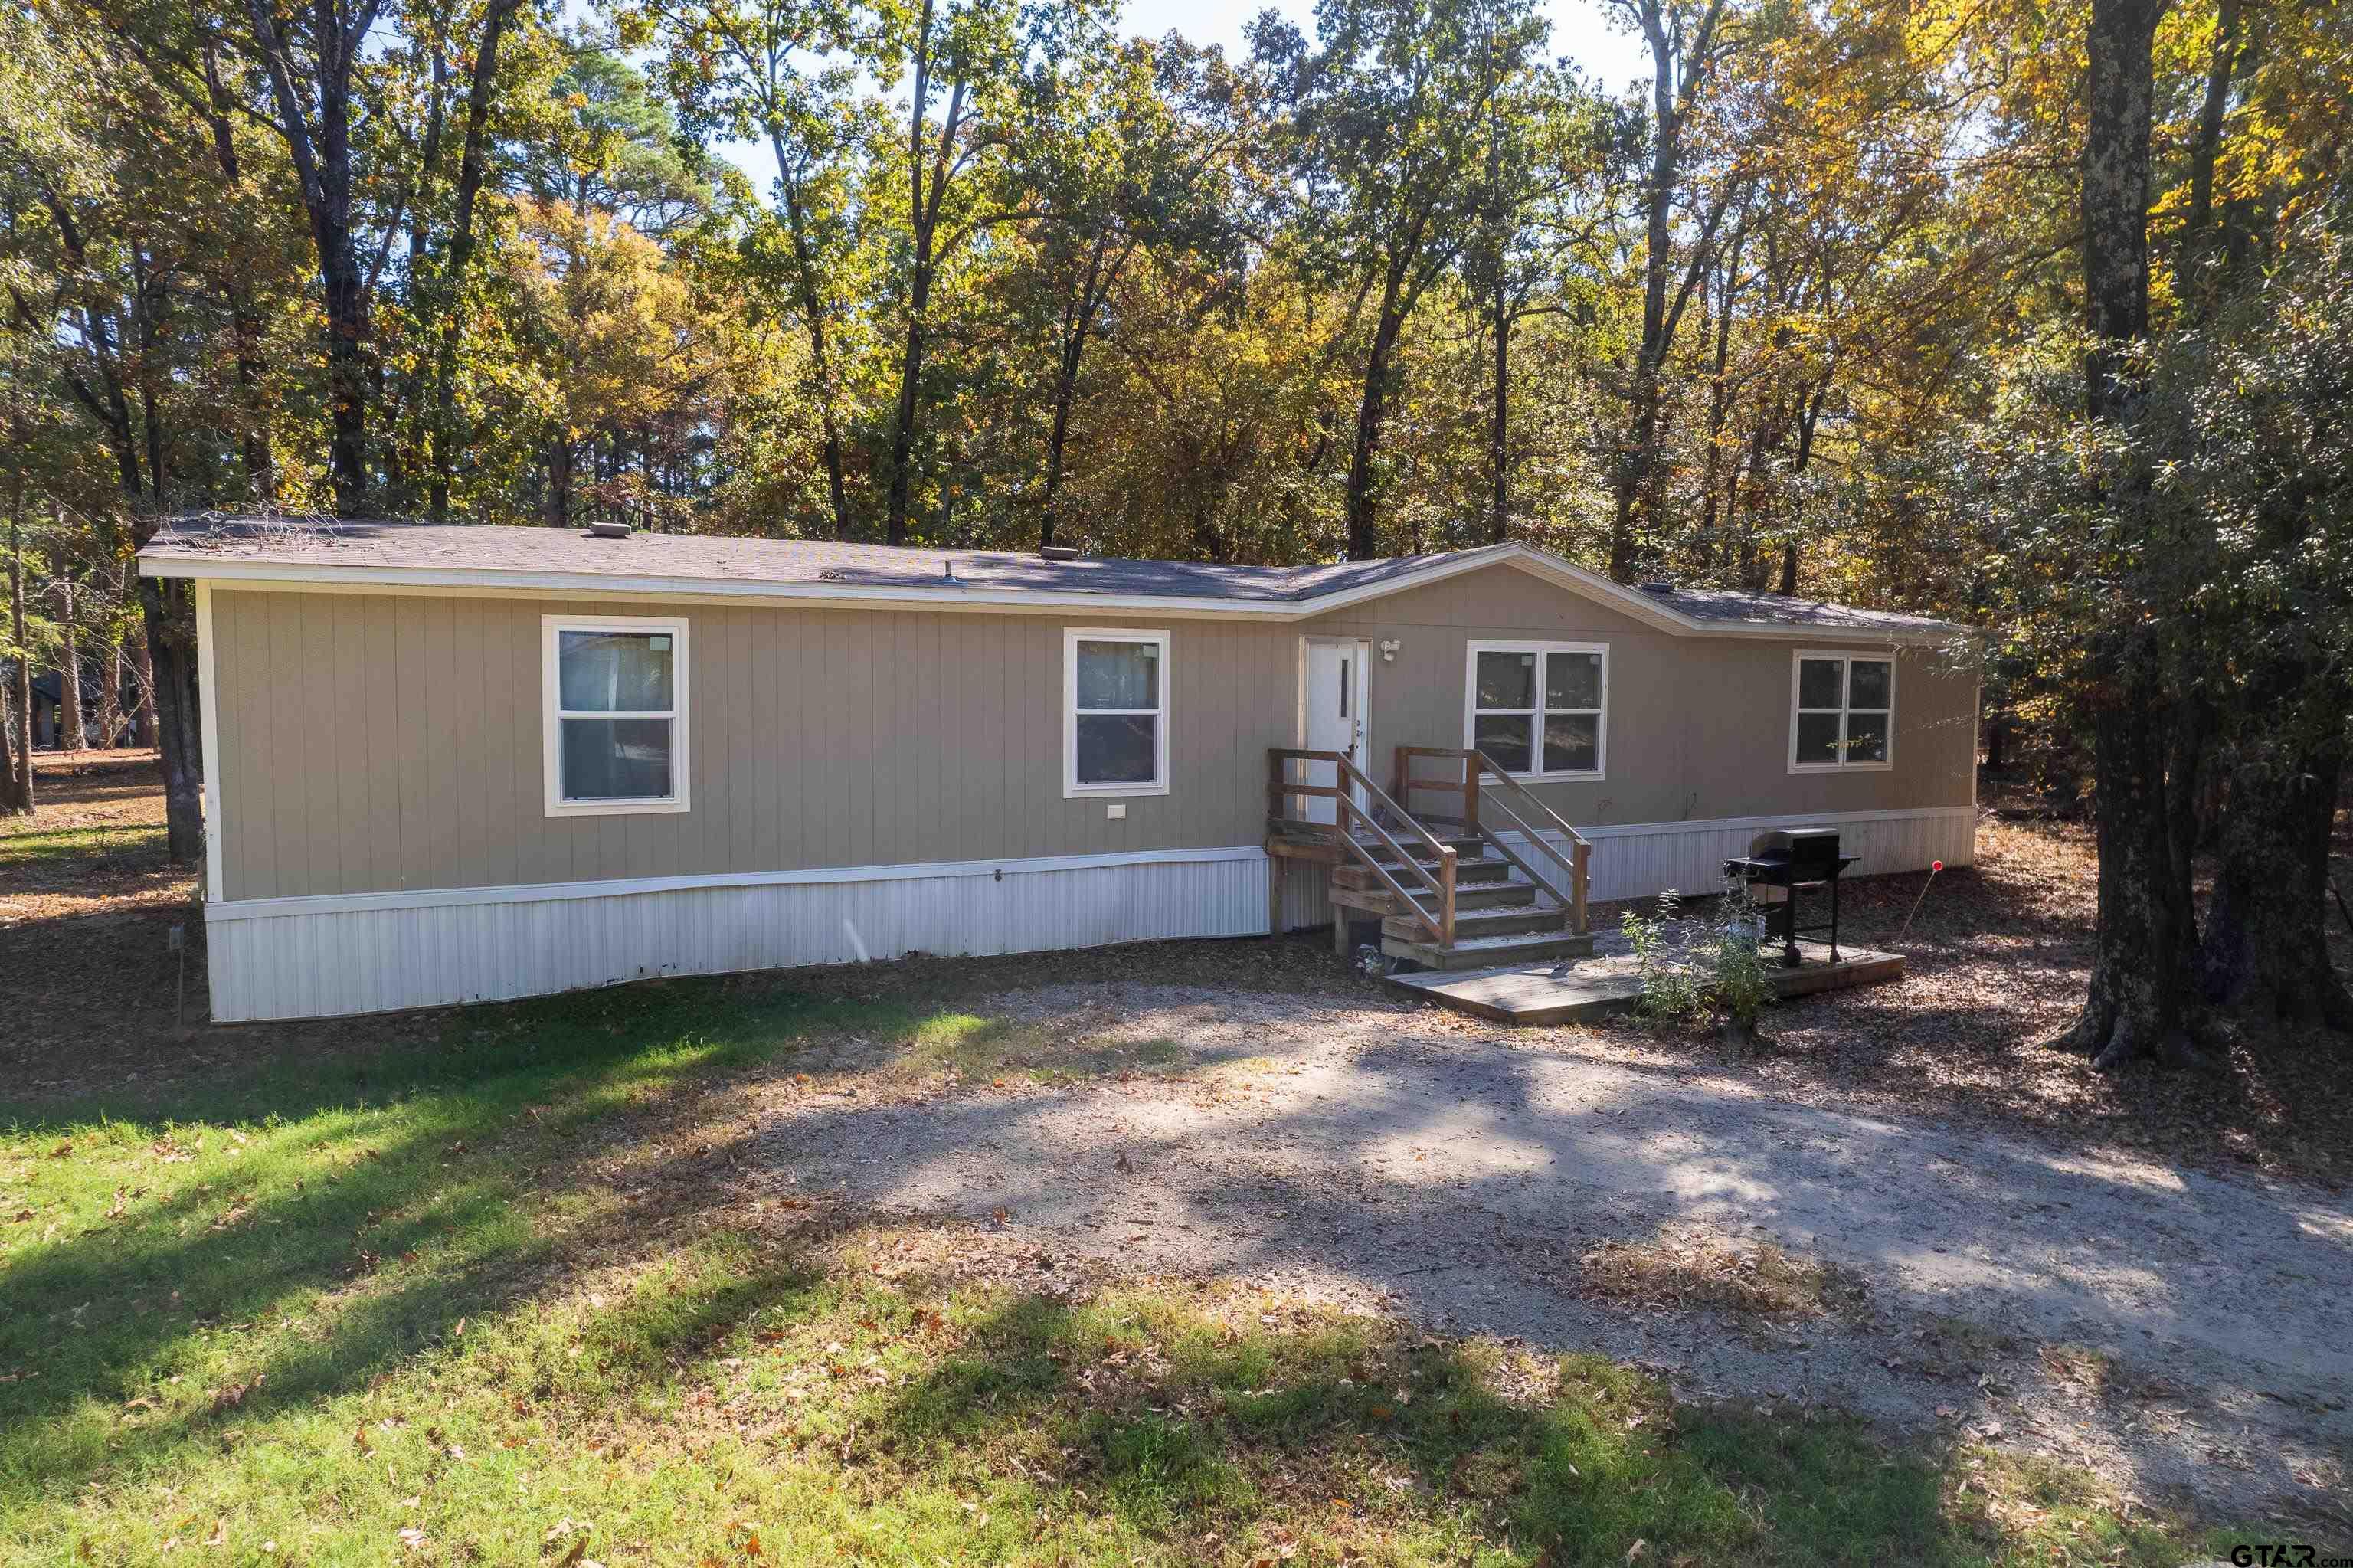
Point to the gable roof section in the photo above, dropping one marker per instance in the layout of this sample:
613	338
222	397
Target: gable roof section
474	557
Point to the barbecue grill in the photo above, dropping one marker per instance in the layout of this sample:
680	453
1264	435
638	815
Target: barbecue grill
1795	860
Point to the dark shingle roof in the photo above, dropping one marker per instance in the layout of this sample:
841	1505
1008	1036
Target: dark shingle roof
680	558
1722	608
471	546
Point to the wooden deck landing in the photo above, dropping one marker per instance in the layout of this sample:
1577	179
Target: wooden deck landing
1529	993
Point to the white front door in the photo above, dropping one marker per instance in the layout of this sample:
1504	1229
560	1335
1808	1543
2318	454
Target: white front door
1333	712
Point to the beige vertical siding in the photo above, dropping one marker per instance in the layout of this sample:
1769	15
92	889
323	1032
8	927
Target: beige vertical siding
373	743
1698	726
376	743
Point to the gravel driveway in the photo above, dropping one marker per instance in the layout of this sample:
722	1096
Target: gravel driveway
1392	1162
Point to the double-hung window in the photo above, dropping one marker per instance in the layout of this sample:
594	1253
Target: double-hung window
1842	711
1539	710
614	696
1114	711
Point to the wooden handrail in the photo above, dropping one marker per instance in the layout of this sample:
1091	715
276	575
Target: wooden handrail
1439	922
1514	818
1476	764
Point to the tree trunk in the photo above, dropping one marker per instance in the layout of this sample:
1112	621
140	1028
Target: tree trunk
1640	457
8	775
2122	92
1719	395
557	509
320	150
2139	1000
813	316
473	165
924	195
1077	322
1809	419
170	643
142	668
245	318
73	724
1499	433
1372	413
109	694
2265	951
2211	114
347	361
20	786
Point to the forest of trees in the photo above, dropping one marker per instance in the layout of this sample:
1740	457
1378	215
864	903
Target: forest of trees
2034	316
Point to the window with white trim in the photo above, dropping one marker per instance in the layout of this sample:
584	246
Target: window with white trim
614	696
1114	711
1540	710
1842	711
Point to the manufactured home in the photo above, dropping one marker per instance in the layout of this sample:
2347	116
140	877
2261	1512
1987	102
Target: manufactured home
449	763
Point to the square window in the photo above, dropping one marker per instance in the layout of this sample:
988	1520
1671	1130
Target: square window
1505	740
1866	683
614	694
1119	676
613	672
1573	680
1572	743
1818	738
1867	737
1536	709
1506	679
1118	748
1842	711
1819	683
616	760
1115	711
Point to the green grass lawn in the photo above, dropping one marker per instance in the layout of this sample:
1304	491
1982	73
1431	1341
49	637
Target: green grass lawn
493	1293
135	841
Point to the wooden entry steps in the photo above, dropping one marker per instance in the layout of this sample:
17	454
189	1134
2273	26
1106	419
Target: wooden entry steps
1532	993
1442	888
1496	920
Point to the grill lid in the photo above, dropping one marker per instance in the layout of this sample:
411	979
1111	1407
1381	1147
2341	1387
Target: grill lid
1805	845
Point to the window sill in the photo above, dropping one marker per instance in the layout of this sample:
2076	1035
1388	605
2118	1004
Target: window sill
1842	767
613	808
1111	791
1597	777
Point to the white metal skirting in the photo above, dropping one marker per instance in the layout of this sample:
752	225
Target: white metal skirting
325	958
330	956
1642	860
1645	859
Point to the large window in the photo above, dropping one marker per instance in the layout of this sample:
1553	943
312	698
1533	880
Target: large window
1540	710
1842	712
1114	711
614	698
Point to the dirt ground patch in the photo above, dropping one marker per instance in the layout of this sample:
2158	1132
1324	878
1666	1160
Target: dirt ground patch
1996	963
88	900
1686	1267
1373	1157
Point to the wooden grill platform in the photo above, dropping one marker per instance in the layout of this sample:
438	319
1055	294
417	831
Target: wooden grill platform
1528	993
